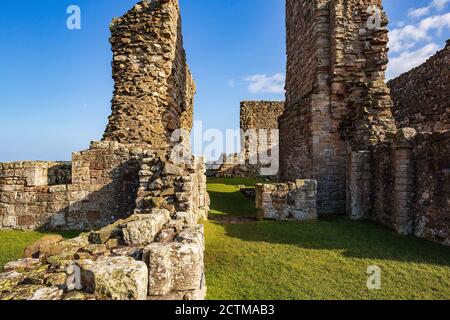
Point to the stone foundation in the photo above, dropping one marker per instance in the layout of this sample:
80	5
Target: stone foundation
287	201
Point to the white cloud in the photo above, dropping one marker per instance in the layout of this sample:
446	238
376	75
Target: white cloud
262	83
410	59
424	11
406	37
420	12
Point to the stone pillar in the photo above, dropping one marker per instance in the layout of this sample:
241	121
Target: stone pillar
359	185
404	181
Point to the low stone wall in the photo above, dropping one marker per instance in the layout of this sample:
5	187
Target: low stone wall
150	247
404	184
35	173
105	184
103	189
287	201
234	165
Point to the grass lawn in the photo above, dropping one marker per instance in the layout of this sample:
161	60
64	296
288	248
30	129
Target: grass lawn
12	243
327	259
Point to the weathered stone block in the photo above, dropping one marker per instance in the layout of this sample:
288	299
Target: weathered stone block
118	278
21	265
287	201
144	230
174	267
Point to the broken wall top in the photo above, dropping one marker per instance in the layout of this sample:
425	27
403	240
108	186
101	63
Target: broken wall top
154	89
260	114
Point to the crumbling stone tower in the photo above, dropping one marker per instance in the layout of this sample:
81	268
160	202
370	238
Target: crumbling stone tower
336	97
154	90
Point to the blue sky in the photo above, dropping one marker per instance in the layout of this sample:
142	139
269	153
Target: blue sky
56	83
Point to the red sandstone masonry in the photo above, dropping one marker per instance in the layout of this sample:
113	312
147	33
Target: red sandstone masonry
421	96
335	92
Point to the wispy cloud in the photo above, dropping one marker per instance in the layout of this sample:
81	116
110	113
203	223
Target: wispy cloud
410	59
262	83
413	43
424	11
407	37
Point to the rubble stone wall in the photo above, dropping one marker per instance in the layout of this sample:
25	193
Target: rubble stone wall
35	173
103	189
106	180
181	187
421	96
403	184
143	203
154	90
148	256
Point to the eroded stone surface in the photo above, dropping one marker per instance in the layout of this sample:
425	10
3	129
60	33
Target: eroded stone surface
174	267
118	278
144	229
21	265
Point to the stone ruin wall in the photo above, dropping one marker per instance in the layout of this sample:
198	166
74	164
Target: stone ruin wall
105	188
294	124
432	186
144	205
153	96
410	173
403	184
338	126
335	78
421	96
255	116
154	90
100	190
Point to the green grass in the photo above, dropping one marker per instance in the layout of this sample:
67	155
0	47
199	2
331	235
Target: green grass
13	243
327	259
228	200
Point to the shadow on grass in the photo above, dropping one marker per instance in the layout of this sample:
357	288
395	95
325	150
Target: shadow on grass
363	240
232	204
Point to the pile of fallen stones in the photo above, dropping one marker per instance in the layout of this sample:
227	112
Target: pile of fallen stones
144	257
